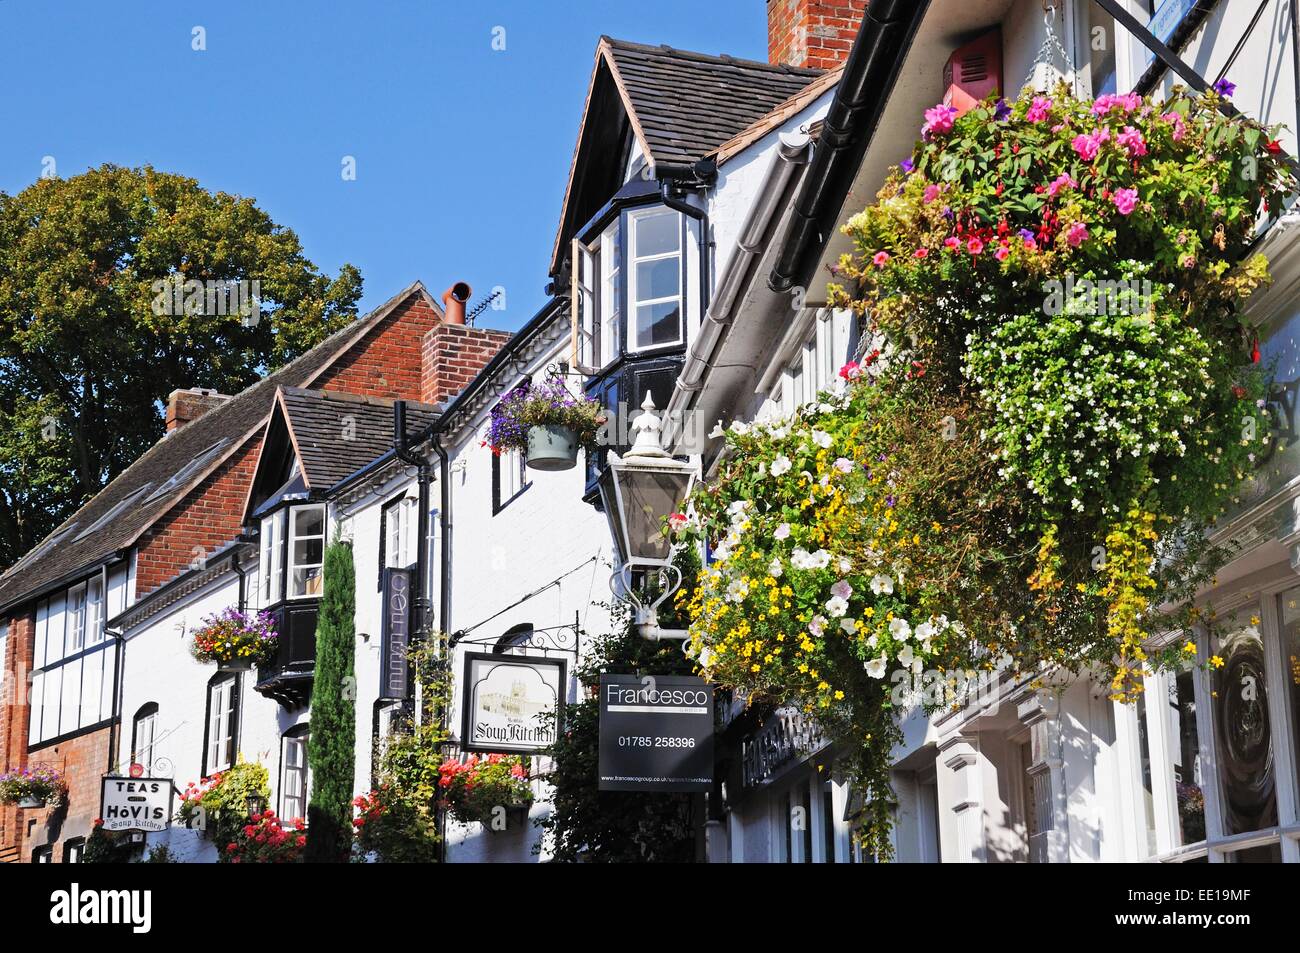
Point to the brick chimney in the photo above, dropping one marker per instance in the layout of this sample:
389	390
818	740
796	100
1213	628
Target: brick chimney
184	406
452	353
812	33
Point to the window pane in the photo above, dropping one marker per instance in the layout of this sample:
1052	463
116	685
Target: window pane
1185	750
658	324
1289	614
1242	729
1148	797
656	234
308	521
659	278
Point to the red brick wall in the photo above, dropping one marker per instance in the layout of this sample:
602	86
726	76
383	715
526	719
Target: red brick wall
13	724
813	33
453	354
208	518
386	363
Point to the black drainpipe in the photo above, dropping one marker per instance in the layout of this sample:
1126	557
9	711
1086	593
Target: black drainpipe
239	571
701	216
424	474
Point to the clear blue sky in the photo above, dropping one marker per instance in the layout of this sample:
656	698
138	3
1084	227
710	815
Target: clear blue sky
461	151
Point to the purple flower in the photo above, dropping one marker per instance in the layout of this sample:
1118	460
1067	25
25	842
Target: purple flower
890	501
1002	111
1225	88
907	165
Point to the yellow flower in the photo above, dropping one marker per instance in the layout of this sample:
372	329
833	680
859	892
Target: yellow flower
1190	648
1254	620
1216	661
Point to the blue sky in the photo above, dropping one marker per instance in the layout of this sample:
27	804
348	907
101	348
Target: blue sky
461	151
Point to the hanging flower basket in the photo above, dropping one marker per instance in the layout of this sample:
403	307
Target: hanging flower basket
546	423
481	789
236	640
33	788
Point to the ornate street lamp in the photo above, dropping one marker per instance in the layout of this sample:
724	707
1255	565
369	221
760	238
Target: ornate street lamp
639	490
256	805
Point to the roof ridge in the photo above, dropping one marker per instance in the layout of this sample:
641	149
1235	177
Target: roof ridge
713	57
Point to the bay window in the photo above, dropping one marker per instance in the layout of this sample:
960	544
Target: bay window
629	286
270	568
655	263
306	550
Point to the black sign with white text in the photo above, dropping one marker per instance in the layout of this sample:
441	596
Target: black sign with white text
656	733
395	633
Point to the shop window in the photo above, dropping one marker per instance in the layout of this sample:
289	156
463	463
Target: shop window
1243	736
1185	754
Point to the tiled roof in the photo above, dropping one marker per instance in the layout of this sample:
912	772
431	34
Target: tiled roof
778	115
335	435
684	105
147	489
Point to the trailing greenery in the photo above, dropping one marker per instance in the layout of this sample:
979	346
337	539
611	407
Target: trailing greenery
109	847
596	826
540	405
223	798
91	337
332	744
397	821
1059	398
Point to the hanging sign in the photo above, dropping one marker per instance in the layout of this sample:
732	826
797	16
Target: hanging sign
656	733
511	702
395	634
136	804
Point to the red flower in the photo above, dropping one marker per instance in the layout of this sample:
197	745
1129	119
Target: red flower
1274	147
301	840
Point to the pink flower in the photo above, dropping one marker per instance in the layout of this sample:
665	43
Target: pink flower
1180	127
1131	139
938	119
975	245
1077	234
880	259
677	522
952	243
931	193
1002	252
851	371
1125	200
1087	146
1063	181
921	253
1039	109
1110	102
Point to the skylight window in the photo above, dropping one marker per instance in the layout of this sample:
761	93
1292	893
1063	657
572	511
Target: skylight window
184	473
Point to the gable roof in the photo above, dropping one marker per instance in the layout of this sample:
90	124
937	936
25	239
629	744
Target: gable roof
777	116
146	490
679	106
333	435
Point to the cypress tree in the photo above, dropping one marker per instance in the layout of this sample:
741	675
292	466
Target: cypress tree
332	744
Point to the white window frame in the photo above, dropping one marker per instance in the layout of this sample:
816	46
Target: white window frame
270	568
301	773
142	727
609	301
294	512
630	280
223	726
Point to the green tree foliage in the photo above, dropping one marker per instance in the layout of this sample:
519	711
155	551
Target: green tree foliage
615	826
333	712
91	342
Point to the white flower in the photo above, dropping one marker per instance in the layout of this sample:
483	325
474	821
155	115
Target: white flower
845	564
900	630
925	631
774	568
817	626
906	656
706	657
820	559
739	428
842	589
780	466
850	626
822	439
836	606
882	585
782	531
843	464
737	591
876	667
717	431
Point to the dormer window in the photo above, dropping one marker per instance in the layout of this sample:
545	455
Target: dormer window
292	553
629	279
